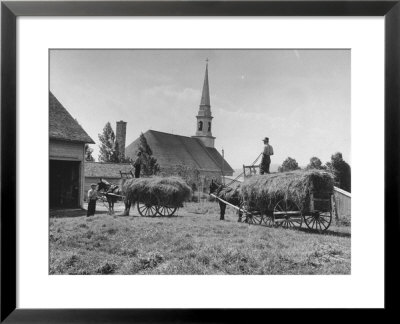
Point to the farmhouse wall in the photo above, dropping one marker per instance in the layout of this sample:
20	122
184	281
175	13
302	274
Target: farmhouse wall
64	150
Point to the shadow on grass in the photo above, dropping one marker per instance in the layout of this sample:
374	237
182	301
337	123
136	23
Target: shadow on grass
78	212
304	229
138	216
327	232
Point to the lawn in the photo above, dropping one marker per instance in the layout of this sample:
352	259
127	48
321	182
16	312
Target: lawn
194	241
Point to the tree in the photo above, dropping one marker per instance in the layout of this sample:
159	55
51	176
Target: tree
88	153
315	163
150	165
341	171
289	164
109	149
107	144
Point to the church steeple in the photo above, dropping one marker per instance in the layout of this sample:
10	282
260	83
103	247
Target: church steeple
204	117
205	97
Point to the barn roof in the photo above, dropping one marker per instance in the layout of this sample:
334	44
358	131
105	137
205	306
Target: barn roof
62	126
105	170
171	149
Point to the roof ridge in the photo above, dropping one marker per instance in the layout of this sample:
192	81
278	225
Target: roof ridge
152	130
99	162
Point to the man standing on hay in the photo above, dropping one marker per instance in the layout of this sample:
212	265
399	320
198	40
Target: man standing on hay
266	156
137	164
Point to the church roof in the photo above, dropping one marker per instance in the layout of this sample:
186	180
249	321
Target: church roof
62	126
171	149
205	96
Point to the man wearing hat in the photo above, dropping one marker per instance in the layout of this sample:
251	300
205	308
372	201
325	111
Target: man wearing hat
266	156
92	197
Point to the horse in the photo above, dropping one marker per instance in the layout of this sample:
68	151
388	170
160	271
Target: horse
229	194
111	192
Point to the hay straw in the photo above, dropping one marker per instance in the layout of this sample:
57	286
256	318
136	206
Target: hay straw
263	192
165	191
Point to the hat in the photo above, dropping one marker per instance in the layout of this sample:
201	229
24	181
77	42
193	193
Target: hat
93	184
266	139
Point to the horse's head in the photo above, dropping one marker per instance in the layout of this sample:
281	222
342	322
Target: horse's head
103	185
214	186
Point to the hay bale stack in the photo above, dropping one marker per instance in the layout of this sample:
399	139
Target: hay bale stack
263	192
167	191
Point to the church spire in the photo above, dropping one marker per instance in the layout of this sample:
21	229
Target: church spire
204	116
205	97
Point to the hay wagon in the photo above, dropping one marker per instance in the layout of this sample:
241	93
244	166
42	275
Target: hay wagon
157	196
317	215
287	200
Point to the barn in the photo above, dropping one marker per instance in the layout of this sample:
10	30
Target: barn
67	141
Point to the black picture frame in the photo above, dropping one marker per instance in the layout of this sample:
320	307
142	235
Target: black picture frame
10	10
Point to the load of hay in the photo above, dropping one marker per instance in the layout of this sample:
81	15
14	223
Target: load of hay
165	191
263	192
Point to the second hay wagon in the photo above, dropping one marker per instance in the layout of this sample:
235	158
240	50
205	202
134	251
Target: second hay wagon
288	214
287	199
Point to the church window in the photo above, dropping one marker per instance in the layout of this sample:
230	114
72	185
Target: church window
200	125
209	126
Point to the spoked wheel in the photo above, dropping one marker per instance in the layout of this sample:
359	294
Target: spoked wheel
166	211
146	209
268	220
247	216
318	220
254	219
287	214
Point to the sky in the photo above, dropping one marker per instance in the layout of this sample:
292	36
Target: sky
300	99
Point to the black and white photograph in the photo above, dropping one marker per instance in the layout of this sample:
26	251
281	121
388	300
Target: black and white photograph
199	161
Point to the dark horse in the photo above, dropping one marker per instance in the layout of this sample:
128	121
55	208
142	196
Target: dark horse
229	194
111	192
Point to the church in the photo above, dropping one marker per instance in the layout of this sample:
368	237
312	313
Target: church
197	151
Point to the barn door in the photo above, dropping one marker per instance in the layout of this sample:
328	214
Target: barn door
64	184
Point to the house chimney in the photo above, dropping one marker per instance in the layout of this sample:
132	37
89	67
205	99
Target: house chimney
120	138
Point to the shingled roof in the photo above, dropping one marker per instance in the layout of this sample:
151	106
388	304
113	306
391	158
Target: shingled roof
62	126
105	170
171	149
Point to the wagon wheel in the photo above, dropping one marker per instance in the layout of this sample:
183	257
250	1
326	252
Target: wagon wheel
166	211
318	220
268	220
165	208
255	219
243	218
147	209
247	216
287	214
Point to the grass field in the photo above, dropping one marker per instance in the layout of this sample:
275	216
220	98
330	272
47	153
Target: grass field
194	241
